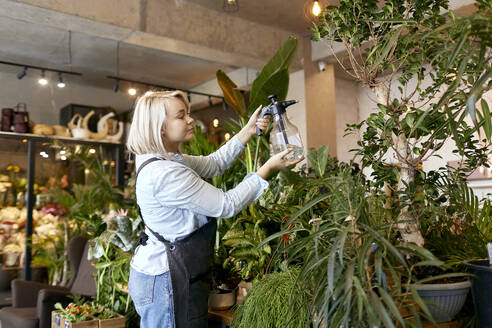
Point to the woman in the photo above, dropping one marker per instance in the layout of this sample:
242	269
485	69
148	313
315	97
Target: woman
169	275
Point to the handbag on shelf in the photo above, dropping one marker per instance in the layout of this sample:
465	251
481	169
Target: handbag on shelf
21	119
7	119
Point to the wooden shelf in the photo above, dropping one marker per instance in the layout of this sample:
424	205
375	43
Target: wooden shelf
224	317
41	138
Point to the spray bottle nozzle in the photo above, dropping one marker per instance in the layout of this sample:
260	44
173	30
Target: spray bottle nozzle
275	108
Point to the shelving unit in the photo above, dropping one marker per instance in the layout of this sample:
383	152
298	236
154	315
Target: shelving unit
32	140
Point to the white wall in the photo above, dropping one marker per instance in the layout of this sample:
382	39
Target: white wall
297	113
44	102
347	108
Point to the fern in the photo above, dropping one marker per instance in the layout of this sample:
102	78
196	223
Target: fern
480	212
275	301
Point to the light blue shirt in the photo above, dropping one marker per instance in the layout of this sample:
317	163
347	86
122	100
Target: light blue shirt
175	200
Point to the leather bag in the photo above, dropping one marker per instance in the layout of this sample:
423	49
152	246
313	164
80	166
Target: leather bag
21	119
7	119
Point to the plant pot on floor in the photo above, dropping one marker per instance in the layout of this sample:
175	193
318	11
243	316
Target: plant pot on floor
481	290
222	299
444	300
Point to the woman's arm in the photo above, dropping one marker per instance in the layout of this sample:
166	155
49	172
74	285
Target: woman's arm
219	161
183	188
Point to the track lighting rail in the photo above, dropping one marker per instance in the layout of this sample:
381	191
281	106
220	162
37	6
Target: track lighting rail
39	68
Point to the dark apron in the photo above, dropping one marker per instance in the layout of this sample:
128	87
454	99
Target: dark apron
190	262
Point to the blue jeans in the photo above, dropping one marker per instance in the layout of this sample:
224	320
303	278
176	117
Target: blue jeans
153	299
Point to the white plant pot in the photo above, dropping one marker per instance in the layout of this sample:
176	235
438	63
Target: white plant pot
444	300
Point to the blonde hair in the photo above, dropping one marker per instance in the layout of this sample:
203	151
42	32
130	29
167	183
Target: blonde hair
149	117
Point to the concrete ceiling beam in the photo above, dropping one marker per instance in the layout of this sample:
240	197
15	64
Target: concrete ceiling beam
166	25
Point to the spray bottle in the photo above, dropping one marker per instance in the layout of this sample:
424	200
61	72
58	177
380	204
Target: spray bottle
284	134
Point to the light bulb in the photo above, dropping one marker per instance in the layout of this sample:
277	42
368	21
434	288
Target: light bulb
92	151
43	80
215	123
227	136
316	10
132	91
60	84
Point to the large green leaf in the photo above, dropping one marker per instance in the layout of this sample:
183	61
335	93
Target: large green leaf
232	96
282	60
277	84
478	88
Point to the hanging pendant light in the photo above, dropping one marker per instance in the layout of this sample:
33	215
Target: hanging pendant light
231	6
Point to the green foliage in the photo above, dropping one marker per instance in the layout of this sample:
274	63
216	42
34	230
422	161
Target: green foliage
461	226
242	240
274	75
113	236
273	79
112	252
440	64
274	301
351	264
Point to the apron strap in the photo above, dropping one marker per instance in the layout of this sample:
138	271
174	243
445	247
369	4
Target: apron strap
142	240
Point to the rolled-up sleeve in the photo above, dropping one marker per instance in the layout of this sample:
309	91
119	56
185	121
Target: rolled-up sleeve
217	162
185	189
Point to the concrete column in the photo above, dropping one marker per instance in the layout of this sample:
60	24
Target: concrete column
320	103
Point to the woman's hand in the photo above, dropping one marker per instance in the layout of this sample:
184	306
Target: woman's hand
277	162
249	129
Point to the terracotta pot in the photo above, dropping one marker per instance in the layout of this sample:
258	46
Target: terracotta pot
222	299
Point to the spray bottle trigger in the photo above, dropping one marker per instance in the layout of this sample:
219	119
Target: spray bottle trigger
265	111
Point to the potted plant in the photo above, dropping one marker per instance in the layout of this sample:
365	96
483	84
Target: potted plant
428	69
479	263
274	301
74	316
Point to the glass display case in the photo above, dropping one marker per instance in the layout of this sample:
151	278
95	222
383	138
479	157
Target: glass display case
29	162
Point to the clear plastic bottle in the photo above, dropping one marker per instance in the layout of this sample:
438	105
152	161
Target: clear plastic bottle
285	135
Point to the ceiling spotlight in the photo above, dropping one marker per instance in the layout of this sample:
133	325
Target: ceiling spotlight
316	9
132	91
43	80
60	84
22	73
116	85
215	122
